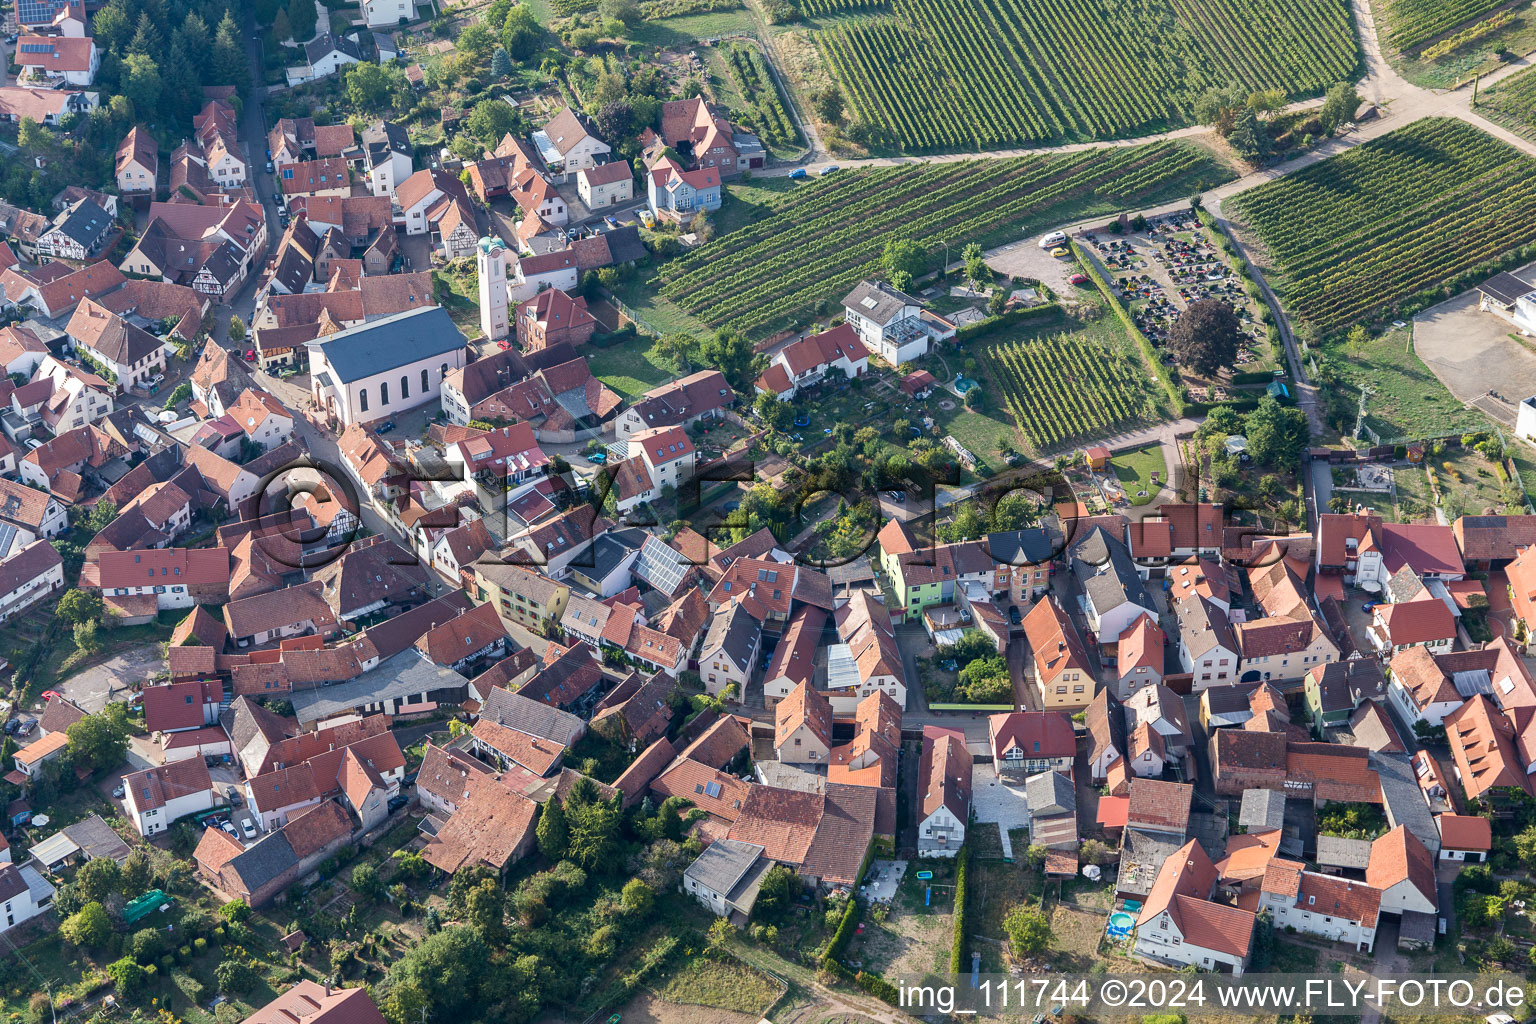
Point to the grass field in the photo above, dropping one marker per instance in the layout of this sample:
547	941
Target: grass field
963	74
630	368
1407	400
1134	470
1394	224
723	984
1484	43
803	250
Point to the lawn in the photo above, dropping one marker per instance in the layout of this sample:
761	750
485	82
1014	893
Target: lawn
631	367
1134	469
1407	401
669	33
658	315
723	984
980	432
458	291
995	887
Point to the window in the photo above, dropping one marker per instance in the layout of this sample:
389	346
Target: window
442	371
362	400
383	392
405	388
424	384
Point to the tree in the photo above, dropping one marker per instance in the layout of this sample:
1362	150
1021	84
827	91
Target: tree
85	638
1525	846
365	881
637	898
1218	107
829	104
1277	434
236	329
127	976
146	37
236	976
625	11
281	28
1266	101
368	87
1250	136
731	353
615	119
79	605
89	927
521	33
553	834
1014	511
976	268
490	120
485	910
1028	930
775	414
235	910
1339	107
95	880
904	256
501	64
99	741
449	970
304	19
228	64
594	831
1205	338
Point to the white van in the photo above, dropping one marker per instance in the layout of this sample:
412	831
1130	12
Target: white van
1053	239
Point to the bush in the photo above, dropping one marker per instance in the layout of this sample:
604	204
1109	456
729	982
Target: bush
127	975
234	910
189	986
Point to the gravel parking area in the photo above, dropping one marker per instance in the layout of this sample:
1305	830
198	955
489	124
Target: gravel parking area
1026	259
1473	352
94	687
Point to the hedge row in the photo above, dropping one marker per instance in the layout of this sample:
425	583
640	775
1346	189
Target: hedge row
957	950
982	328
844	933
878	987
1148	352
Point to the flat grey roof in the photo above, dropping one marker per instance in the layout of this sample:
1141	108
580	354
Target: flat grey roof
404	674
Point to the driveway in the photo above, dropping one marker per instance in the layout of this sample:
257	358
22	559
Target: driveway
93	688
1473	352
991	800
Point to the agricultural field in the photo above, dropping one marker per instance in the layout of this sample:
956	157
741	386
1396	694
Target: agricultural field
1512	103
1071	387
1405	219
809	246
961	74
763	104
1410	23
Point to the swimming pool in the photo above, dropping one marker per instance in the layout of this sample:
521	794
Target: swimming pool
964	384
1120	924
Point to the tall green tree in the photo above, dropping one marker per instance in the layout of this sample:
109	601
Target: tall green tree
1277	434
141	82
553	834
99	741
228	63
521	33
1205	339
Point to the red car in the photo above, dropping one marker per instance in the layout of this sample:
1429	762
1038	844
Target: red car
503	345
1078	279
250	355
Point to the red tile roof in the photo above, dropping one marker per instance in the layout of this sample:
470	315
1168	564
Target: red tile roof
1161	806
1044	734
1399	856
1465	832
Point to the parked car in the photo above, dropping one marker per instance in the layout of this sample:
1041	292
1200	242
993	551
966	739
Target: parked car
117	792
386	426
250	355
397	802
1078	279
598	457
612	222
1060	253
26	727
248	827
797	174
827	170
269	166
227	827
1054	239
1014	615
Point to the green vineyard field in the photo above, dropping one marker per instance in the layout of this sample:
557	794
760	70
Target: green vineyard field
961	74
826	235
1427	206
1413	22
1512	103
1068	388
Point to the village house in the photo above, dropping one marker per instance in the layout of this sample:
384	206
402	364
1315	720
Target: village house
1025	743
156	798
605	185
567	146
1063	674
1180	924
944	792
137	162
